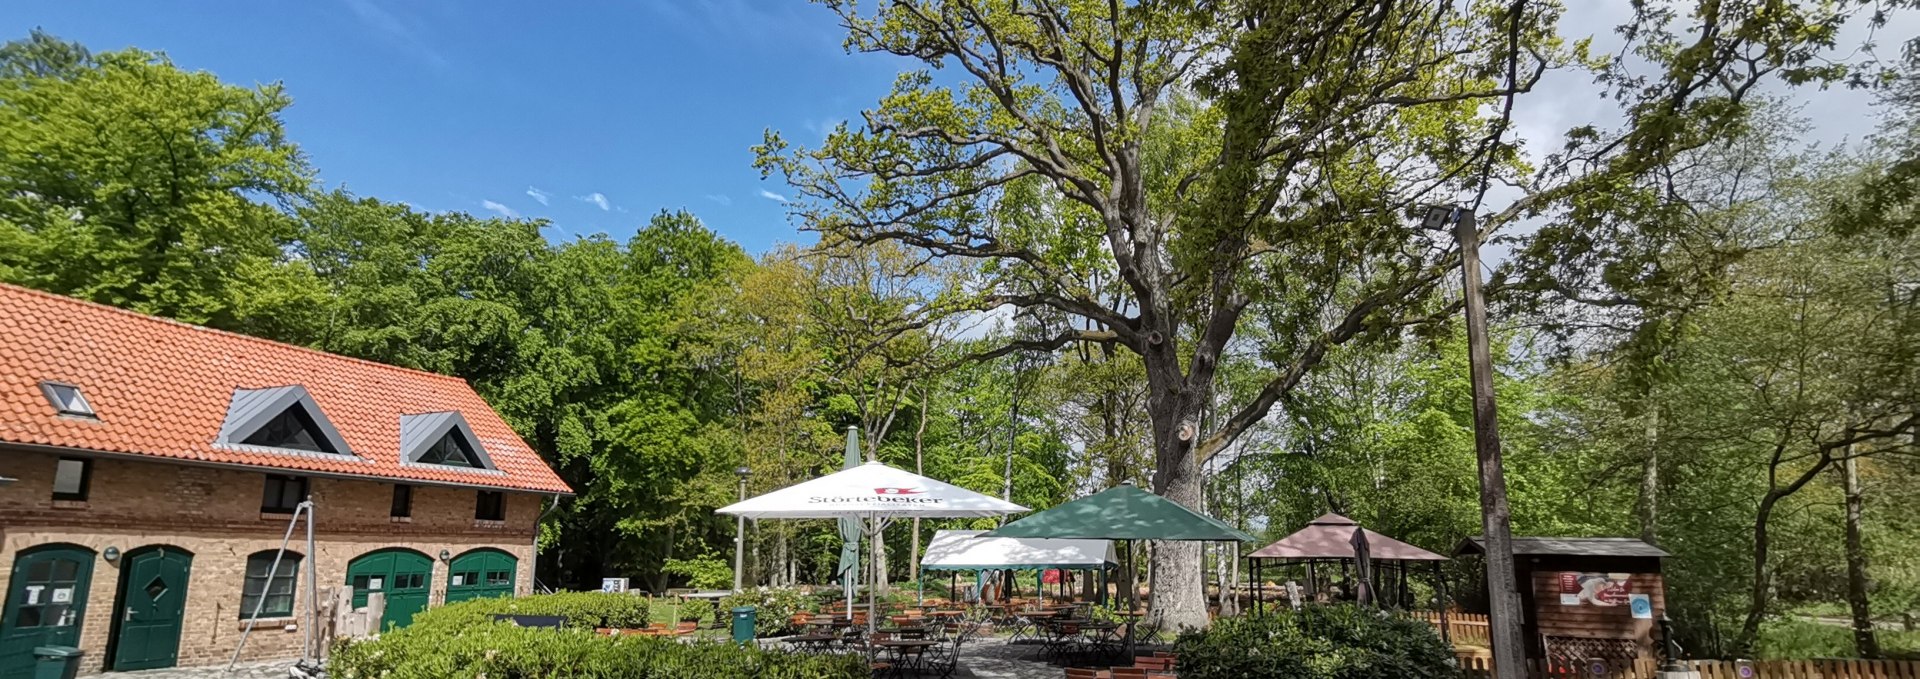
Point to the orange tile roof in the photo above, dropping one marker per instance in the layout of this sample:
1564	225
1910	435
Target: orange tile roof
161	389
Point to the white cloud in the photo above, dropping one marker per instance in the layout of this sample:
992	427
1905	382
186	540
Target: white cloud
769	195
720	198
596	198
395	30
499	209
538	195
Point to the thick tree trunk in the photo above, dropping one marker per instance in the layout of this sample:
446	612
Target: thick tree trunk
1864	640
1175	569
1649	500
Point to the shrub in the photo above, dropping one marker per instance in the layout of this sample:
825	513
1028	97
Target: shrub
1791	639
697	610
775	608
585	610
502	650
1316	642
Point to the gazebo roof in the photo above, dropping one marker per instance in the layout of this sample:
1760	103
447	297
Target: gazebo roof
1123	512
1331	537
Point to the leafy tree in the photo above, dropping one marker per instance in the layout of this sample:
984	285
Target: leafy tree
1226	164
128	181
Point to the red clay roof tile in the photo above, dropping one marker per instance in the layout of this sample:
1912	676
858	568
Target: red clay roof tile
161	389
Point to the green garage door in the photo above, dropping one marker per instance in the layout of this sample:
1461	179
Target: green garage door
402	574
480	573
46	601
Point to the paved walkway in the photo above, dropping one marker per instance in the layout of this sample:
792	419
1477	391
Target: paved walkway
274	669
994	658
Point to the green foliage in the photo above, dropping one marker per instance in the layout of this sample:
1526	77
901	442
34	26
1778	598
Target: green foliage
1792	639
1316	642
583	610
691	610
774	608
503	650
705	572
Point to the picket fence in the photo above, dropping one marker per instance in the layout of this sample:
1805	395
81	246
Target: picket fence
1481	667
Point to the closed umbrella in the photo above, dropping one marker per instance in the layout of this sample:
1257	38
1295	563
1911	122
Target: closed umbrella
850	528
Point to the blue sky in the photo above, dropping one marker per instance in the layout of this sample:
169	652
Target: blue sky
458	105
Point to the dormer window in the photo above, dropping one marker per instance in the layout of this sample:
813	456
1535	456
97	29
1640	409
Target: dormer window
292	429
281	418
451	450
67	399
441	439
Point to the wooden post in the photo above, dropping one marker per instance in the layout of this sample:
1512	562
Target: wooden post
1503	591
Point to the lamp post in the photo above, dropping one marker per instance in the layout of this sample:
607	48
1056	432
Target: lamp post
1503	592
740	533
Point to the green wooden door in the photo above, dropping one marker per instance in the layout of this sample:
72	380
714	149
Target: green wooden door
402	574
153	604
46	602
480	573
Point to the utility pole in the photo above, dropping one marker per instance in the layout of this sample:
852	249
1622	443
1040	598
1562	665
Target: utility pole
740	533
1503	591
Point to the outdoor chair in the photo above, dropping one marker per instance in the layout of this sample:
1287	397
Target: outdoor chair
945	658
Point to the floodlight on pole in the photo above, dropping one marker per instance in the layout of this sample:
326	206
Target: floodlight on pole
1503	590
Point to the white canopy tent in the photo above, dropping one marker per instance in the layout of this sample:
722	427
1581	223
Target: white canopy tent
965	550
874	492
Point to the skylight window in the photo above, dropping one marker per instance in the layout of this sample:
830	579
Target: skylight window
67	399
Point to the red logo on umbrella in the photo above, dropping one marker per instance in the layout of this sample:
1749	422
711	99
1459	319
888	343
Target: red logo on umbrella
896	491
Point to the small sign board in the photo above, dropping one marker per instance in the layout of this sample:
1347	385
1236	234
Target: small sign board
613	585
1594	589
1642	605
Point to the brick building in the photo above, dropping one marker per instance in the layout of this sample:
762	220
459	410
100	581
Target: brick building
149	471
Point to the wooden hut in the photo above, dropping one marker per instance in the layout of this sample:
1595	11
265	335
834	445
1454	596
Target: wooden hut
1586	598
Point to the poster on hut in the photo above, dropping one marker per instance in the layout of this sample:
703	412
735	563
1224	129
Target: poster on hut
1594	589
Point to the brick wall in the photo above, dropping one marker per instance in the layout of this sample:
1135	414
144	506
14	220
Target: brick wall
215	515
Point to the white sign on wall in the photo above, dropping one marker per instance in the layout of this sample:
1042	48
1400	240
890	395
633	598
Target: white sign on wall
613	585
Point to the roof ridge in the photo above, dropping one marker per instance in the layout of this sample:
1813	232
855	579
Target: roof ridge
229	333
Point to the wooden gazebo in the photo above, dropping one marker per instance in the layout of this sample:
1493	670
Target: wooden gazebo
1332	545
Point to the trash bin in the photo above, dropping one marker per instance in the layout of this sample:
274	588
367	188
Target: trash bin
56	662
743	618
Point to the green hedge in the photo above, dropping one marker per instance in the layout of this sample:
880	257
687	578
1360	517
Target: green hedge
584	610
1316	642
774	608
501	650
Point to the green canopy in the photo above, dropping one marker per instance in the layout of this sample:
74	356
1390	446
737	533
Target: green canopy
1121	513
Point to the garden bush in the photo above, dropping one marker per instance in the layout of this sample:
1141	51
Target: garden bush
585	610
1316	642
697	610
775	607
501	650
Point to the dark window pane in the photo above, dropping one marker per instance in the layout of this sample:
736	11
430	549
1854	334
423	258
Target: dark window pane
277	590
70	479
402	500
451	449
65	570
29	616
292	429
489	506
40	571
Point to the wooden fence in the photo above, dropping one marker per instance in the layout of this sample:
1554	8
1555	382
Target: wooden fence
1462	628
1481	667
